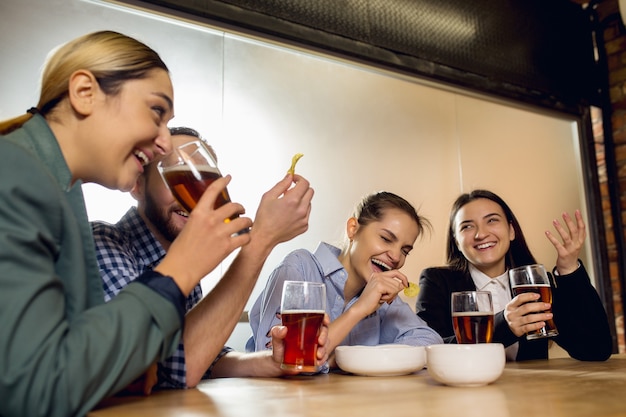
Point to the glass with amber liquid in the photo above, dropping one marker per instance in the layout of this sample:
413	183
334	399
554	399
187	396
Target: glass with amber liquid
188	171
472	316
534	278
303	305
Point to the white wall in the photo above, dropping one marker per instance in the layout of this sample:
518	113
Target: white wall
360	129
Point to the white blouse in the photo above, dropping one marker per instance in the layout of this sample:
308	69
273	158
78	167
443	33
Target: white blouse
500	290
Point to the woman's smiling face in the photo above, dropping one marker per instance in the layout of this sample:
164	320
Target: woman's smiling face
483	234
129	130
382	244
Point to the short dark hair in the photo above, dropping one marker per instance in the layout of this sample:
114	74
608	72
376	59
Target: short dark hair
187	131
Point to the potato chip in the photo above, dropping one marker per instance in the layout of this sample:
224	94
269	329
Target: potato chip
294	160
412	290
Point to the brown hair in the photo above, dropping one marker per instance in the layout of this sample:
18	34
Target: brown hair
372	207
112	57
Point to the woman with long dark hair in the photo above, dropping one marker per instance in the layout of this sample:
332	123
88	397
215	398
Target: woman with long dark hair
484	241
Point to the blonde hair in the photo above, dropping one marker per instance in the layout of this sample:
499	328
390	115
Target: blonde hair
112	57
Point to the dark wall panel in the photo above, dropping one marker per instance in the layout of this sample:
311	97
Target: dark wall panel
536	51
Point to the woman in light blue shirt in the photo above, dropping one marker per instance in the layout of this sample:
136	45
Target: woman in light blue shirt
362	280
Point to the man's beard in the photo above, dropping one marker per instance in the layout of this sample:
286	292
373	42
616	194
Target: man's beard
161	219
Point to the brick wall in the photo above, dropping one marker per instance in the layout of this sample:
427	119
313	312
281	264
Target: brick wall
614	37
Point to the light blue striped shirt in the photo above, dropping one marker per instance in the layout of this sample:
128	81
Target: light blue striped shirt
391	323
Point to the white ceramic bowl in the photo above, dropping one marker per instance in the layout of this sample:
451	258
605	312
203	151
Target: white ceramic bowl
465	365
381	360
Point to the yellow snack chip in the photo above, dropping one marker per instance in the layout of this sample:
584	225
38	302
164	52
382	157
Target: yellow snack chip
294	160
412	290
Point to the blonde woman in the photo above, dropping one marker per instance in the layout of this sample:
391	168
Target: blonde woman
362	280
102	116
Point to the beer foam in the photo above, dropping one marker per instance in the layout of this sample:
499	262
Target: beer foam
200	167
302	311
471	313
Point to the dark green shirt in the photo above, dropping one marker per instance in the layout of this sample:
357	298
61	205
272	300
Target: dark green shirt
62	350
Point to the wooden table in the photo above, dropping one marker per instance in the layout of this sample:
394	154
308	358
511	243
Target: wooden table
556	387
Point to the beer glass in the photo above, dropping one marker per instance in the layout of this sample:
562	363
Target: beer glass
303	306
472	316
534	278
188	171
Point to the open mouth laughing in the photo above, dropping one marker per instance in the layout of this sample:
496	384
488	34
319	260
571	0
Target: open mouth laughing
143	158
380	264
181	213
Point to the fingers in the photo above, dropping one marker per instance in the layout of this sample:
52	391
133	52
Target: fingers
582	229
383	288
301	192
210	195
283	212
207	239
300	188
278	334
216	191
322	341
227	211
398	277
281	187
399	282
575	233
522	299
572	240
523	314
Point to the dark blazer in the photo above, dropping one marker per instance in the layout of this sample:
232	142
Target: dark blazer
578	314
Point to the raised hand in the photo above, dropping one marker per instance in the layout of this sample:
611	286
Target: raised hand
206	240
569	246
284	211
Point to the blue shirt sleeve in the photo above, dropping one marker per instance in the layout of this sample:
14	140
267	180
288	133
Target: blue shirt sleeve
265	313
399	324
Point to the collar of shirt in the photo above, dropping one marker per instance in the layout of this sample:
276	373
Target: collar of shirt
327	256
500	290
335	276
498	286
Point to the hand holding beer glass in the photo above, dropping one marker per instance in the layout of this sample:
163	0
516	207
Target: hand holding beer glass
472	316
188	171
533	278
303	306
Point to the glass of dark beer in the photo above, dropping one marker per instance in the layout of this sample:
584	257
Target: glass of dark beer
188	171
472	316
303	306
534	278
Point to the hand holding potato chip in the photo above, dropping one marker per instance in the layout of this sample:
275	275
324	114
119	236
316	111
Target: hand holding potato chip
412	290
294	160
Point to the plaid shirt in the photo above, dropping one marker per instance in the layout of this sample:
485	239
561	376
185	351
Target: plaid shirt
124	251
